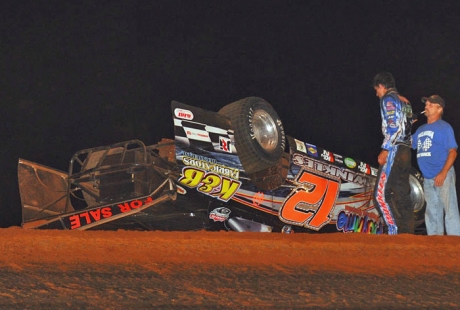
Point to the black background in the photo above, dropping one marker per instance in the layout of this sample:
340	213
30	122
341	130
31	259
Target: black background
82	74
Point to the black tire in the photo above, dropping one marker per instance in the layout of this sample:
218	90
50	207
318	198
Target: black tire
417	196
256	151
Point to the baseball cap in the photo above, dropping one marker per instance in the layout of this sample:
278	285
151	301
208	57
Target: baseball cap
434	99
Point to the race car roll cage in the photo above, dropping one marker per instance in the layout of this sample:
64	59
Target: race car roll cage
98	176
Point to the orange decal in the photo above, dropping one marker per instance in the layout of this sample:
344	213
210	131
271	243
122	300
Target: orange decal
258	198
74	221
107	212
96	214
289	211
124	207
134	204
311	203
322	215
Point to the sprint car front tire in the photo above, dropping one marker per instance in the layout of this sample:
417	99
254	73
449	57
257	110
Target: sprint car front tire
417	196
259	133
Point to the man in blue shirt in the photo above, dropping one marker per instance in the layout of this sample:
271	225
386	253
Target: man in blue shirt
392	190
436	152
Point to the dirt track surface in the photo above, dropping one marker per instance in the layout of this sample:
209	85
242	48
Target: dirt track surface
176	270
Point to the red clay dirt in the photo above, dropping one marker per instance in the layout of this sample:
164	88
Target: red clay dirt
174	270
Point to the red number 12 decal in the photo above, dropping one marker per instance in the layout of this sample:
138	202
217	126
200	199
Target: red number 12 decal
310	207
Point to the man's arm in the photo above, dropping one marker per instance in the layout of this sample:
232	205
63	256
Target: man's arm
382	159
439	179
403	99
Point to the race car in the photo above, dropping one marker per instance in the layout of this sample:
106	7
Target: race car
234	169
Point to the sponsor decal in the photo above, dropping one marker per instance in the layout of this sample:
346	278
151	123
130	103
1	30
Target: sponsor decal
98	214
209	183
212	167
390	106
311	150
258	199
325	169
352	220
193	155
183	114
220	214
349	162
197	134
300	146
364	168
287	229
338	158
373	216
326	155
374	171
225	144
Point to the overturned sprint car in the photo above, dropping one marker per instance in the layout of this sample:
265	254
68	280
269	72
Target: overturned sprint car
234	169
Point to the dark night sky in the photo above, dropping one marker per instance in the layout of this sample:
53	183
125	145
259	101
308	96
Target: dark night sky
76	76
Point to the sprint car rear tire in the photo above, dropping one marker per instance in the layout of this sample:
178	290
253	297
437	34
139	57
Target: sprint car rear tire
259	133
417	196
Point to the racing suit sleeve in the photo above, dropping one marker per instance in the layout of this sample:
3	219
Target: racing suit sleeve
392	121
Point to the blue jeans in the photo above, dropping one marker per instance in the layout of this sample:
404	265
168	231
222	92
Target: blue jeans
442	206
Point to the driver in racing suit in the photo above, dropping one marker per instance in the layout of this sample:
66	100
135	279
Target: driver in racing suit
392	188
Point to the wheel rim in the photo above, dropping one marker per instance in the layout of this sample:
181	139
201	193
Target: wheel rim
416	193
265	131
